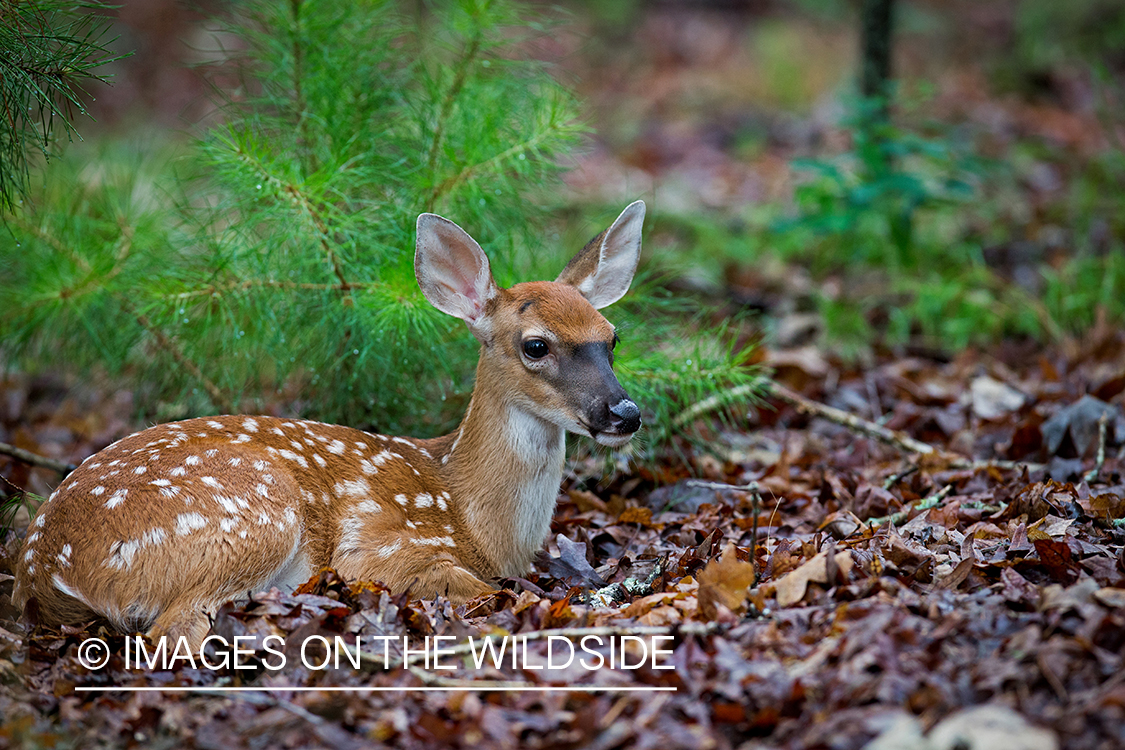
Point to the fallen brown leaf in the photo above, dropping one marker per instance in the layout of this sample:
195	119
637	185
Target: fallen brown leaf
791	588
725	581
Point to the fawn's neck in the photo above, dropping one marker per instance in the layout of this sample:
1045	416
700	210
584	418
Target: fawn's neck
504	469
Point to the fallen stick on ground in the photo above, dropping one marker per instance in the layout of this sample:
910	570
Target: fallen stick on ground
1093	473
852	422
925	503
36	460
898	439
766	387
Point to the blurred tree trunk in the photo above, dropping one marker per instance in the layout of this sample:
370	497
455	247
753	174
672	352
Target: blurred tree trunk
877	26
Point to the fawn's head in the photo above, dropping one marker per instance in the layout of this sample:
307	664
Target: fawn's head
544	340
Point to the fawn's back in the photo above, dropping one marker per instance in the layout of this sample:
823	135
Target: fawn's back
217	507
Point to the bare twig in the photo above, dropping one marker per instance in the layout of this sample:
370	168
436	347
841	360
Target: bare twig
768	387
756	503
925	503
852	422
751	487
35	459
898	439
1093	473
994	463
894	479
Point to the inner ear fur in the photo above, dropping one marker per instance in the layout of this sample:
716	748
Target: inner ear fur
452	270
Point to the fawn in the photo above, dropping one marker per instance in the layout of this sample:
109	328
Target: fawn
158	530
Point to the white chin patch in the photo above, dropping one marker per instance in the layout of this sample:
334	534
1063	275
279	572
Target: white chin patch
613	441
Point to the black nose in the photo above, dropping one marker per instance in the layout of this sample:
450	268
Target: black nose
625	417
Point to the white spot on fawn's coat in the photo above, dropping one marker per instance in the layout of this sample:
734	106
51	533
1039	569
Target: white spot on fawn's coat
438	541
189	522
390	549
353	488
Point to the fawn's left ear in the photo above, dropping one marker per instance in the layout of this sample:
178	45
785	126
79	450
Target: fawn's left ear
603	270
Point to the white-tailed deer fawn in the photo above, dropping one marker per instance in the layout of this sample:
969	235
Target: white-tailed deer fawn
156	531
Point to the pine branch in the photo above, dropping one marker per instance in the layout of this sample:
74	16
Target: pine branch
298	50
247	285
451	95
48	49
163	341
262	237
471	171
298	200
169	345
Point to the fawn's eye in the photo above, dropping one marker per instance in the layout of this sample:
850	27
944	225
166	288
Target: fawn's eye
535	348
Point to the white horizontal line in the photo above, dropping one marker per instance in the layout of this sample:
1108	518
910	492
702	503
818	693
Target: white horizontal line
361	689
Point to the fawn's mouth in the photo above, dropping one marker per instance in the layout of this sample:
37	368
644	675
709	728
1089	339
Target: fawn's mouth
611	439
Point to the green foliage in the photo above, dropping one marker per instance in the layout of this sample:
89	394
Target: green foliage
668	365
48	50
272	268
895	205
864	205
1087	285
10	506
898	224
1049	34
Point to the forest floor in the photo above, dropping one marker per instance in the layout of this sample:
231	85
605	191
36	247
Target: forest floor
973	596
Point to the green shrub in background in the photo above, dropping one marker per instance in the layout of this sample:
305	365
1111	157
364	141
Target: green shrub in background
272	268
902	222
1049	35
918	211
863	206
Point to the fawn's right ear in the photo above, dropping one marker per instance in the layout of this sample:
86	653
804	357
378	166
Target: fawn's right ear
453	271
603	270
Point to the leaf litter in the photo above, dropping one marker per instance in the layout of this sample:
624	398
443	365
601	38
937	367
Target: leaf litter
970	598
